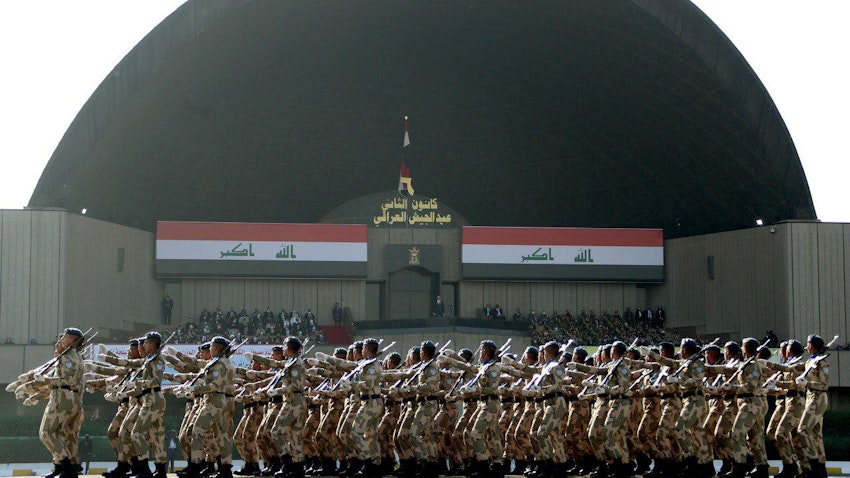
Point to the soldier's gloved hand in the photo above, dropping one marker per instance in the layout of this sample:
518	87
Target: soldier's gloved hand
654	387
322	356
169	350
273	392
405	389
313	362
102	357
449	352
572	365
726	387
771	387
801	381
25	377
248	356
39	378
507	360
601	390
442	359
710	389
589	382
644	350
345	385
673	379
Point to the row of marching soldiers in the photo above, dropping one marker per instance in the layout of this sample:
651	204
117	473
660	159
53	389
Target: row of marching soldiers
550	412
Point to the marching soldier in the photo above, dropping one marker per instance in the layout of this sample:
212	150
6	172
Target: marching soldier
64	405
211	383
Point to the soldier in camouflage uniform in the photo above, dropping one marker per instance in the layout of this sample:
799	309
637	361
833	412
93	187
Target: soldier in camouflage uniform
486	439
422	383
790	402
64	405
814	378
518	436
389	421
149	412
688	374
245	436
748	427
212	383
613	386
286	431
123	461
326	437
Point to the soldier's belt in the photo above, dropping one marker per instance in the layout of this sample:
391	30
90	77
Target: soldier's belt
810	389
390	403
277	399
467	400
571	398
408	400
63	387
745	395
545	397
312	406
429	398
793	394
668	395
250	405
370	397
617	397
484	398
150	390
691	393
507	400
125	400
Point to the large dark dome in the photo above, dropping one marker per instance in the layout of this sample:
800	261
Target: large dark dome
543	112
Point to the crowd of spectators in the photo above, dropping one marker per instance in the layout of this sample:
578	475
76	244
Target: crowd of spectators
259	328
588	327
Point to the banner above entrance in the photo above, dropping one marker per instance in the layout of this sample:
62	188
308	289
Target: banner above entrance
210	249
568	254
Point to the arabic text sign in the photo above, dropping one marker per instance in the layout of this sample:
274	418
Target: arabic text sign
627	255
195	249
403	211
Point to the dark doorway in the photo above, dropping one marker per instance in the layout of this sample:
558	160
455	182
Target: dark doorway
411	292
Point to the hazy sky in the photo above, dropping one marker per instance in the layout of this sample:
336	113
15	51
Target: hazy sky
55	53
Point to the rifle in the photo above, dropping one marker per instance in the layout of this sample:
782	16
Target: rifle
775	377
136	373
359	368
427	363
744	365
613	367
47	366
643	375
501	351
212	362
815	361
693	357
547	369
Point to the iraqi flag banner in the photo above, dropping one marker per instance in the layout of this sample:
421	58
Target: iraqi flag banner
563	254
218	249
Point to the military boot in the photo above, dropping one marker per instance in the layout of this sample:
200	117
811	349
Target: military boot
250	468
69	470
354	467
225	470
141	469
285	464
161	470
121	469
272	467
57	470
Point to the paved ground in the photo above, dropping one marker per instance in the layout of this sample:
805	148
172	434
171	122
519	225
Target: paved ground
26	470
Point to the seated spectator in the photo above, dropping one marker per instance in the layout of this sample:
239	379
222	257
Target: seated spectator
517	317
628	315
498	314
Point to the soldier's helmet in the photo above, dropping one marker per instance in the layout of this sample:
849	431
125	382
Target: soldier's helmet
414	350
154	336
466	354
358	345
816	341
134	342
732	346
620	347
667	346
77	334
689	344
551	345
371	341
488	343
581	352
428	345
293	343
277	348
218	339
531	350
395	356
340	352
715	348
204	346
795	347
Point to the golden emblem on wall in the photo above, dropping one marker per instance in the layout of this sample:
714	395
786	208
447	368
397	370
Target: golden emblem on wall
414	256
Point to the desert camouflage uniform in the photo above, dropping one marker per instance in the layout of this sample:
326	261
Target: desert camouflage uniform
748	426
286	430
782	427
364	431
64	406
210	416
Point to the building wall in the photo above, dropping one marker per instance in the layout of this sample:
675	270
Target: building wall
318	295
102	291
449	239
547	296
791	280
31	255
